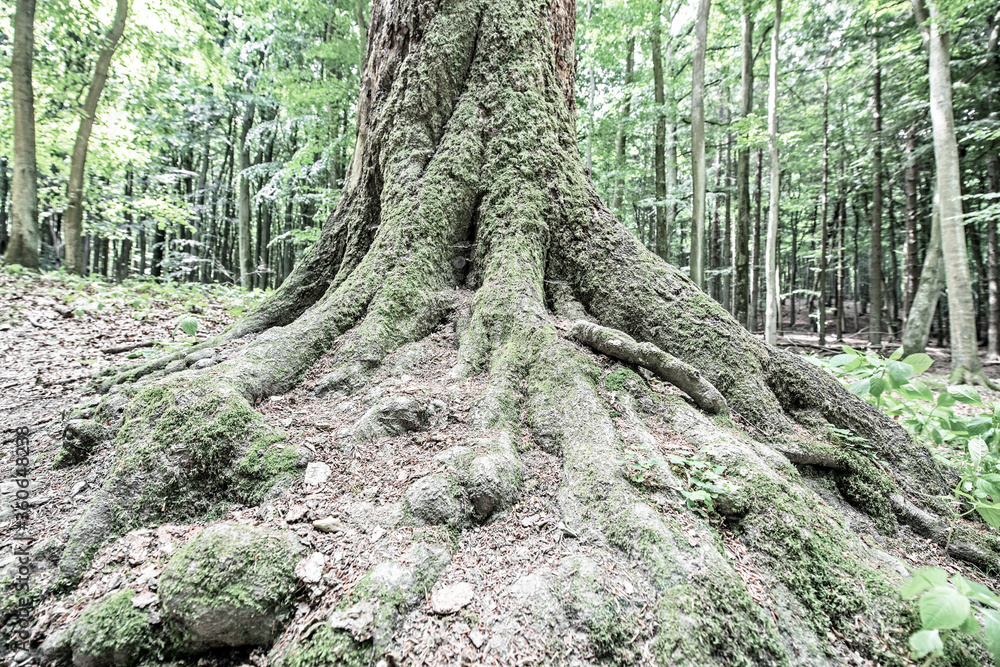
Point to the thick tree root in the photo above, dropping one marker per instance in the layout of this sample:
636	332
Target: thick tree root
623	347
956	536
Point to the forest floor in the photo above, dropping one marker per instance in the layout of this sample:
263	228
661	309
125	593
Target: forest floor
54	334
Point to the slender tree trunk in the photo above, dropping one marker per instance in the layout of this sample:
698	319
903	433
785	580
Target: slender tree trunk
993	302
671	207
773	291
4	191
73	222
824	197
622	139
756	261
243	202
22	248
698	174
660	139
591	94
911	177
925	301
741	268
965	363
794	272
875	258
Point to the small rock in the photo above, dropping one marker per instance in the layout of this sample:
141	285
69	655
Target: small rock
21	656
310	568
78	487
143	599
377	533
204	363
359	620
328	525
477	638
317	473
449	599
296	513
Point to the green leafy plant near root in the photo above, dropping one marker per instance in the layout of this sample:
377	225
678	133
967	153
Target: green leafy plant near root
949	605
704	481
970	445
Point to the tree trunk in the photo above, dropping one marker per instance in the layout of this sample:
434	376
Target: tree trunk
461	156
875	256
965	364
756	261
911	178
4	191
622	139
73	220
824	197
243	202
22	248
660	139
925	302
698	174
741	247
993	253
773	289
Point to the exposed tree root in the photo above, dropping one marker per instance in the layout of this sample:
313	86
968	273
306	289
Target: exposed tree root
622	346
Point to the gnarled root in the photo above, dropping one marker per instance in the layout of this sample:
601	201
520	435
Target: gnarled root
621	346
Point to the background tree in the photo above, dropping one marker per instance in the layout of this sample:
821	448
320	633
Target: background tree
22	247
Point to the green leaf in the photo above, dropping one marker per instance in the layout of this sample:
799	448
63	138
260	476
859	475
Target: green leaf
925	643
990	513
842	360
920	362
943	608
977	450
897	354
860	388
922	580
850	350
965	394
991	630
945	400
979	425
970	626
899	371
878	387
189	325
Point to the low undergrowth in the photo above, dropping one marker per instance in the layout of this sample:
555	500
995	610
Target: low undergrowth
960	427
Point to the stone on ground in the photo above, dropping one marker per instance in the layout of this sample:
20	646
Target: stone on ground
232	585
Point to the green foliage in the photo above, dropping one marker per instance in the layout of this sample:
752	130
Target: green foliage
949	605
704	482
971	444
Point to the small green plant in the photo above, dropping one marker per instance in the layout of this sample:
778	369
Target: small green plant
948	605
704	481
971	444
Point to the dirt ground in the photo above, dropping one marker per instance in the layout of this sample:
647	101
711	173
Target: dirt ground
47	359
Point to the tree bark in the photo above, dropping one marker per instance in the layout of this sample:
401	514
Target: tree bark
875	257
993	259
965	364
925	302
660	139
756	261
911	178
824	197
773	289
741	264
246	259
22	248
621	142
698	169
73	220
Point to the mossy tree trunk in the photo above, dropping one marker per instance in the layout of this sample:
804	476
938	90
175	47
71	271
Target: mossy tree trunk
467	139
